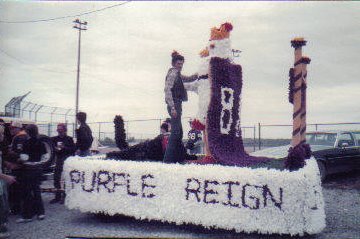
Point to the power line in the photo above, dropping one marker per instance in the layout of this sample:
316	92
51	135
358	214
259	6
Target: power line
29	65
92	76
69	16
4	52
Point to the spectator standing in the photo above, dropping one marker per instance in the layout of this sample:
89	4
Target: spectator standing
19	137
4	141
84	137
4	181
64	147
30	178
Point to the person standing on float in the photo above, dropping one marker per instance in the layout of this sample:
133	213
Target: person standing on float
175	94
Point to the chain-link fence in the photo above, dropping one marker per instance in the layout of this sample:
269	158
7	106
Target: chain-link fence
139	130
19	108
255	137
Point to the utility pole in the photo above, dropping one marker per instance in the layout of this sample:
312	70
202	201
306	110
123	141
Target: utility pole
81	26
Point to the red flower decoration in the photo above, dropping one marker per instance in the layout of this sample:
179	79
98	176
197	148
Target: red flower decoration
208	159
228	26
196	124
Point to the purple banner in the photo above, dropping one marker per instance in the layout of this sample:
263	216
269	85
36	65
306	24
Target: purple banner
223	117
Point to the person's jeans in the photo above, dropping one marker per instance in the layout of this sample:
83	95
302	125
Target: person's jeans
4	206
84	153
31	198
58	170
175	150
57	175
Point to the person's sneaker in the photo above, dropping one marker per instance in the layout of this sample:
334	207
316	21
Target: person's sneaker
14	211
41	217
23	220
55	200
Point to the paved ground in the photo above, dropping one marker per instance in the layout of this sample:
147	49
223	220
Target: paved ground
341	193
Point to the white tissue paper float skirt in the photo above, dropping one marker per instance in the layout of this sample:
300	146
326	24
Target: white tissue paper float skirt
247	200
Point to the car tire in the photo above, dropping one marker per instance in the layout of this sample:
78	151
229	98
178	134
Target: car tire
322	170
50	150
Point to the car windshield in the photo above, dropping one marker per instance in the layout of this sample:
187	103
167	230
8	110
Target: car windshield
357	137
321	139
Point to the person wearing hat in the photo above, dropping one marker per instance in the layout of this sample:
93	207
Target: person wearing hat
19	136
64	147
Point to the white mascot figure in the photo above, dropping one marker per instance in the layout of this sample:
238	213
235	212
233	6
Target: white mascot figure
201	87
219	46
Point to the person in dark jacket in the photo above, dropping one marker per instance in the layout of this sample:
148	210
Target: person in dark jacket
64	147
5	180
11	156
84	137
175	94
150	150
30	177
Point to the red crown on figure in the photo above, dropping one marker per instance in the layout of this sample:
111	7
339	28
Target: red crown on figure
228	27
222	32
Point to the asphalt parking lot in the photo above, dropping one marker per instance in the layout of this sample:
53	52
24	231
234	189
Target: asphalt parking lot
342	205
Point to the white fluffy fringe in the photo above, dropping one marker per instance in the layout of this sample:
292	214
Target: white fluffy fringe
222	49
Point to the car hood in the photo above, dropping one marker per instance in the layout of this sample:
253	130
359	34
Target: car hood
282	151
273	152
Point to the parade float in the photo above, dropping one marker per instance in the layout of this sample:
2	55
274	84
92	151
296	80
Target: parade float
229	189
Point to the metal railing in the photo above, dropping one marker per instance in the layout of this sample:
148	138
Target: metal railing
281	133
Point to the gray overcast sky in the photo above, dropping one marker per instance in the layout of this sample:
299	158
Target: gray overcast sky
126	53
